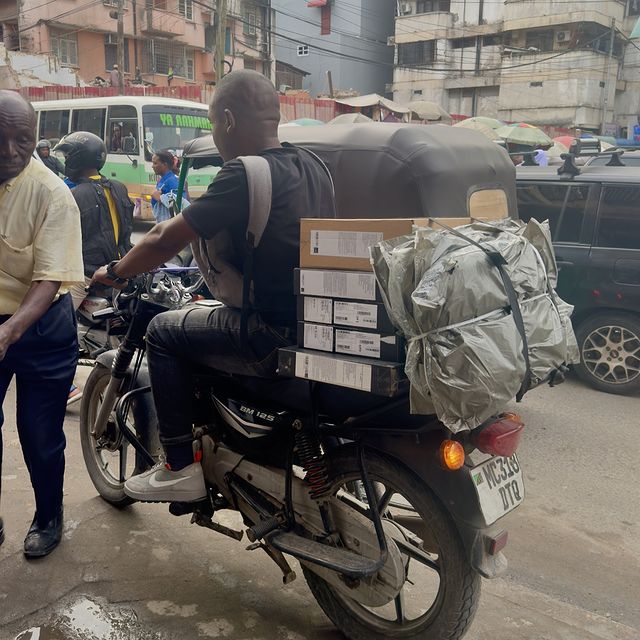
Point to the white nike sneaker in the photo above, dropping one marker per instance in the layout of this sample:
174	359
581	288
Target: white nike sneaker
160	484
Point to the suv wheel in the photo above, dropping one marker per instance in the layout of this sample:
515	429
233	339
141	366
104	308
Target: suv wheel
610	352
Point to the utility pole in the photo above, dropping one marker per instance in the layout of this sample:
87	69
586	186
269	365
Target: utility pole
605	102
120	47
221	32
330	81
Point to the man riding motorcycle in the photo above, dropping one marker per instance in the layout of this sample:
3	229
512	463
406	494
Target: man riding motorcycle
245	113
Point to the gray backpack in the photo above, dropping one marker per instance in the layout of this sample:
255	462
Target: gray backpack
214	255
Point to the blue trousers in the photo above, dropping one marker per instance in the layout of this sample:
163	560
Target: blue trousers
43	362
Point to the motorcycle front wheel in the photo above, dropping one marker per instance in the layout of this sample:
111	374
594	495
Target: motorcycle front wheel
441	591
110	459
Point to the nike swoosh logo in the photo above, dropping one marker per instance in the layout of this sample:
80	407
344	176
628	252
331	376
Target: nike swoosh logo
165	483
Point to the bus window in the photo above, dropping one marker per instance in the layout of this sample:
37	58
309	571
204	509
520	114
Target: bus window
91	120
123	129
172	127
53	125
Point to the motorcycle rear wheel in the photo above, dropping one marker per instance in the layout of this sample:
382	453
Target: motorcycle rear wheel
452	596
111	459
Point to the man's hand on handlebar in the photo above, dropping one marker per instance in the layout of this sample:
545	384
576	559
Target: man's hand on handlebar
101	276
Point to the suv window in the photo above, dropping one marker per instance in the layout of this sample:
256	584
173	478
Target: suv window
563	205
619	217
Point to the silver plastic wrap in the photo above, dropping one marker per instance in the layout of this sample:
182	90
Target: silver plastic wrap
465	357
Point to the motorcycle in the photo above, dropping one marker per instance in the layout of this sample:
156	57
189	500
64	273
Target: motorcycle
393	519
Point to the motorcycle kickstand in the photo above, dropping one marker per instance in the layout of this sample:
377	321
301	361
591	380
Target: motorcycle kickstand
288	574
204	521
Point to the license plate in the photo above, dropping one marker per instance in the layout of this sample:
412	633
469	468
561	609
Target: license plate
499	485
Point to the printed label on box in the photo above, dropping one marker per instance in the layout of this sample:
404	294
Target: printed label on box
318	310
343	244
318	336
358	343
355	314
333	371
338	284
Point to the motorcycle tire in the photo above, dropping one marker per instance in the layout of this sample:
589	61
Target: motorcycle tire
108	486
458	591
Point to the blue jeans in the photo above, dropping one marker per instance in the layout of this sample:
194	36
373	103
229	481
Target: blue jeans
178	341
43	362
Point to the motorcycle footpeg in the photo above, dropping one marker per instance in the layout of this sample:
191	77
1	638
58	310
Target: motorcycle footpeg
262	528
184	508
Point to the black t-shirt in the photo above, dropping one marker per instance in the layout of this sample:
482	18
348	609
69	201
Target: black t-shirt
301	189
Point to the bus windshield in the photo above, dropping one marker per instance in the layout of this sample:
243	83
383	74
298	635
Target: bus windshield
172	127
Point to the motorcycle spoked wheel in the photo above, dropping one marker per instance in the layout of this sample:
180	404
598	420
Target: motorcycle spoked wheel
110	460
433	604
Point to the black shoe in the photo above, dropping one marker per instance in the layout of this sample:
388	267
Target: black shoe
1	531
41	541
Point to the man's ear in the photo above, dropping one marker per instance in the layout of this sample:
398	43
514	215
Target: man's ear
230	121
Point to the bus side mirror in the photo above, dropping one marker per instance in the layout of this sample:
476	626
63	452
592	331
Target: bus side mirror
134	163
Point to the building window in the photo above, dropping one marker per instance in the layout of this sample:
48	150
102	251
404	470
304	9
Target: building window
65	47
416	53
303	50
540	40
250	64
463	43
633	8
190	66
185	8
429	6
111	52
250	22
159	55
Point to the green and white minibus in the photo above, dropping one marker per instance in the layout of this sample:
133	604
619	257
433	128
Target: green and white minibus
133	127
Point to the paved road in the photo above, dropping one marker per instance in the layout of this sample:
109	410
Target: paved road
141	574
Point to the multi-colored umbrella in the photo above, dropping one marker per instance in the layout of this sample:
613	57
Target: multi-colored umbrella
524	134
350	118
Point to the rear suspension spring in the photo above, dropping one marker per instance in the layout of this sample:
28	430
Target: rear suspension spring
313	462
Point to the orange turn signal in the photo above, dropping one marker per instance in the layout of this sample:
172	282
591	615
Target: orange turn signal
451	455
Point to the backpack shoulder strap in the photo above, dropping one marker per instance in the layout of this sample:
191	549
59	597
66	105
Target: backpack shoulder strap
260	192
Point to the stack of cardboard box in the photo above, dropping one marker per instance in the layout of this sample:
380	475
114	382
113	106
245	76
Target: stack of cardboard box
345	336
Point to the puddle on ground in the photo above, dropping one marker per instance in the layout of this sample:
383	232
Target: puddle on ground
86	619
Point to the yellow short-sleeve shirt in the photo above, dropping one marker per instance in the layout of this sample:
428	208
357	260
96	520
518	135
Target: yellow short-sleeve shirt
40	235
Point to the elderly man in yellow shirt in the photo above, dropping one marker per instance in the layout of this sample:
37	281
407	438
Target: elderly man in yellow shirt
40	258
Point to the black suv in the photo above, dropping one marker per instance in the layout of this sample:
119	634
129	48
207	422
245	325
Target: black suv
595	225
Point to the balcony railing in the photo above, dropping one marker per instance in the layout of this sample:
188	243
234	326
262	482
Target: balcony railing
162	23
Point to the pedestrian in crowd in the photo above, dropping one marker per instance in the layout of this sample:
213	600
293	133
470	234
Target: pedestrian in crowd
137	78
245	113
114	76
106	211
169	76
43	149
163	166
116	138
40	259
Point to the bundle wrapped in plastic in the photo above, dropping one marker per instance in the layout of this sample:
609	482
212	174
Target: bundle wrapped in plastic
478	309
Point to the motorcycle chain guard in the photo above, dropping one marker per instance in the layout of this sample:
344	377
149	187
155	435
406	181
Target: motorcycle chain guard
356	530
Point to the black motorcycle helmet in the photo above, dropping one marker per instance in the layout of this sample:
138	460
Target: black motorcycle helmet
82	150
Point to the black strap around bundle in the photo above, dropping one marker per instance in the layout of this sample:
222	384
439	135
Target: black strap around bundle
498	261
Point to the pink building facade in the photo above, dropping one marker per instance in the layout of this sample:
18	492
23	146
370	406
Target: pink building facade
161	36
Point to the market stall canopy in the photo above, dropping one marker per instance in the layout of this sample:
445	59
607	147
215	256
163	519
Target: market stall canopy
350	118
373	100
524	134
397	170
431	111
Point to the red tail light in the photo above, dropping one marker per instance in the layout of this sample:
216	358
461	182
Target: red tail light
500	437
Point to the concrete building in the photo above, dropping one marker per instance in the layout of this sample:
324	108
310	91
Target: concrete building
565	64
160	35
347	38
